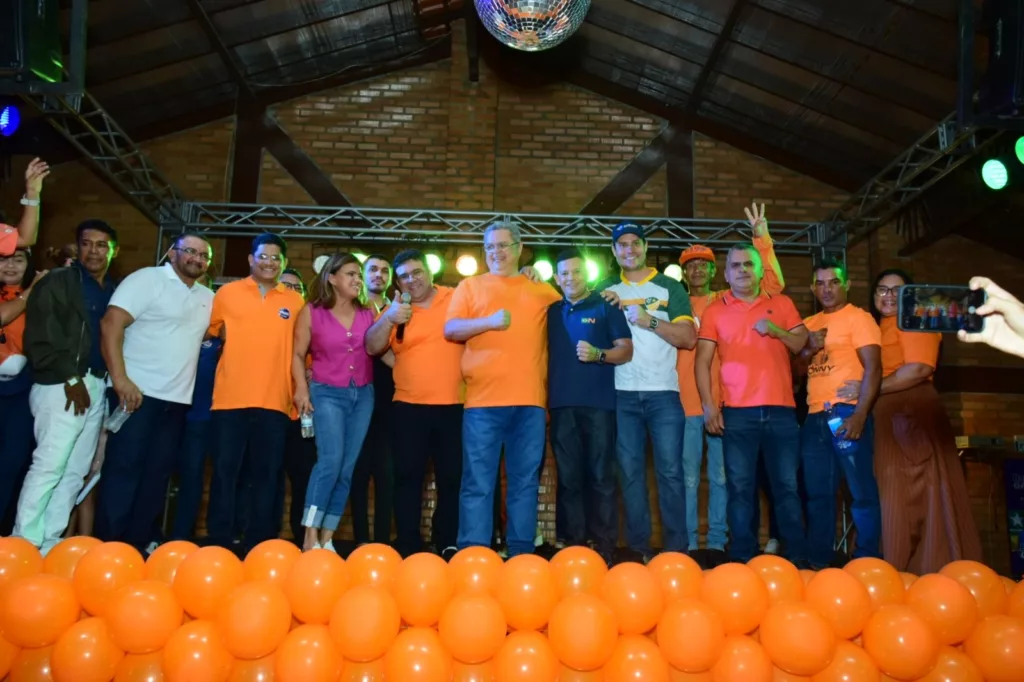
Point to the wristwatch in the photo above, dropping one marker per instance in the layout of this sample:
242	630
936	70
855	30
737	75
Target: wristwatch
600	358
25	201
653	323
73	381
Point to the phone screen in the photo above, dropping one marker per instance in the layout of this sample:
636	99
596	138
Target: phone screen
936	308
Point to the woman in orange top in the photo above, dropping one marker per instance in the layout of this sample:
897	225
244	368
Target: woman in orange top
16	280
926	513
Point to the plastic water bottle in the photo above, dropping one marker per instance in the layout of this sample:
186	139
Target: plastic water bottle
117	419
834	422
306	421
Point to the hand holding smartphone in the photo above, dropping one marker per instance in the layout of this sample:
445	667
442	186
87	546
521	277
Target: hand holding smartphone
940	308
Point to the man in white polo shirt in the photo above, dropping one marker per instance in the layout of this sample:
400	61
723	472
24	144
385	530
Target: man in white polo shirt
152	332
647	394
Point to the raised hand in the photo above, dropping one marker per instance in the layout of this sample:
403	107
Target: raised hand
34	175
755	216
1004	319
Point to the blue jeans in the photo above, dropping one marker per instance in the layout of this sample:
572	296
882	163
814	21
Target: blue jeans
660	414
484	430
341	417
191	477
718	496
774	431
16	445
822	465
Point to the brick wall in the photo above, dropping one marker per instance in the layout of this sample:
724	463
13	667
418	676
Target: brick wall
427	138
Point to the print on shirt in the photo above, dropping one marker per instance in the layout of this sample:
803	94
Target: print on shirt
820	365
651	303
283	312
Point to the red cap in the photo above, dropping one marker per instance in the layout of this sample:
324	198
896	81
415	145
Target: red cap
696	252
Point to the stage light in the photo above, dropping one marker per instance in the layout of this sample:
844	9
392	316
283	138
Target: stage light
674	271
361	257
544	269
434	263
466	265
994	174
1018	149
593	270
10	119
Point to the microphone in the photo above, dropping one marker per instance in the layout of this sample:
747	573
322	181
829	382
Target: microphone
400	334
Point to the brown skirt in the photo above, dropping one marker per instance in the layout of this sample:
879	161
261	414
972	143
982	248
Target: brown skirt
926	513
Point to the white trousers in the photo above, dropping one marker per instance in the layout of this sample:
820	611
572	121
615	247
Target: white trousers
65	446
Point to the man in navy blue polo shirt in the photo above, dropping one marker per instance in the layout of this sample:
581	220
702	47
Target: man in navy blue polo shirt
587	337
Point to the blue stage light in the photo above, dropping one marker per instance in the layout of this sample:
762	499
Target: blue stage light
10	118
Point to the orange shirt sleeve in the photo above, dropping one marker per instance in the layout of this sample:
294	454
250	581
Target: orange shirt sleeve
772	281
790	315
864	330
708	327
920	347
462	302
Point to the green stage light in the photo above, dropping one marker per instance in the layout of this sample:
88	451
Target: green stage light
544	269
593	270
361	257
434	263
994	174
1018	149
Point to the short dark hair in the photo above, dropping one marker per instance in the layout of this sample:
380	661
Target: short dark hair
377	256
405	256
566	254
902	274
271	239
179	238
293	272
831	263
97	225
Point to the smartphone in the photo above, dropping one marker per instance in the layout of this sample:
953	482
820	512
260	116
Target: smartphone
940	308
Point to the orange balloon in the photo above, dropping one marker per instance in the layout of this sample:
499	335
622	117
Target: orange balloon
417	655
368	671
163	564
32	665
1015	602
85	653
742	660
945	605
141	668
883	582
677	575
635	597
63	558
8	652
143	616
254	619
195	653
780	675
807	575
1009	583
953	666
635	657
982	582
849	664
365	622
577	569
900	642
569	675
797	638
782	578
374	564
526	656
205	579
475	569
472	627
841	599
738	595
679	676
256	670
422	589
479	672
526	592
908	579
691	635
317	579
270	560
36	610
18	559
997	647
103	570
308	654
582	631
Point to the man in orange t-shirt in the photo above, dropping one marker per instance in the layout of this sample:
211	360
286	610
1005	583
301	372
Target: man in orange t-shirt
844	345
754	334
501	316
698	263
426	416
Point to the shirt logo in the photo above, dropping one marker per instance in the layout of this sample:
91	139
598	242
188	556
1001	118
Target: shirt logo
588	320
284	313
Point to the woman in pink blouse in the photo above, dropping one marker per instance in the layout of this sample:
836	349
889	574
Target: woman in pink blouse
340	397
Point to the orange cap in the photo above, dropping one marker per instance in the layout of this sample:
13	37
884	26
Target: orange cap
696	252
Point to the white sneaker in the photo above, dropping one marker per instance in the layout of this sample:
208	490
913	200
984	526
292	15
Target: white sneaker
316	545
151	547
330	545
772	546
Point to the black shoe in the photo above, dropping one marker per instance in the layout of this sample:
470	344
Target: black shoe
626	555
448	552
700	556
716	557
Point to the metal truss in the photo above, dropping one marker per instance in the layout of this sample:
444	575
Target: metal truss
90	129
938	153
467	227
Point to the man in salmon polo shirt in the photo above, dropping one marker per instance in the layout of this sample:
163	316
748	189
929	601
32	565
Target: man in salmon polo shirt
502	318
845	344
754	334
426	417
699	270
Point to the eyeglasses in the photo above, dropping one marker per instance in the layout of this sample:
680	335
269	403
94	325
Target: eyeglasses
500	246
885	291
299	287
192	253
266	258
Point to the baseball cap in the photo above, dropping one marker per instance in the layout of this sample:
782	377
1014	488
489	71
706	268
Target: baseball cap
626	228
696	252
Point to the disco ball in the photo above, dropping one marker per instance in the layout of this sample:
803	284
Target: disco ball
532	25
